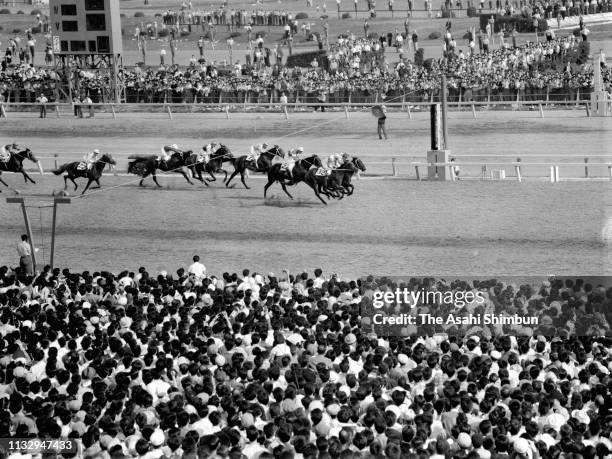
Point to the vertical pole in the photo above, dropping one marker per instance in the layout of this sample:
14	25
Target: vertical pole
418	175
169	111
29	232
346	112
541	111
393	167
227	115
409	112
610	172
556	173
57	112
586	168
113	111
473	110
444	114
53	233
552	174
55	160
518	173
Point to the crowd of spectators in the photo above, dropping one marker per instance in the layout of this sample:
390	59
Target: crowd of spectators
228	17
354	66
191	365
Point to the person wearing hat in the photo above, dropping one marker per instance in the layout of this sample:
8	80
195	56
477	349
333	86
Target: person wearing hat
166	153
256	150
91	157
290	159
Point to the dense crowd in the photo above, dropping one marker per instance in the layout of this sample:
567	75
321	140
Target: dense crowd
228	17
354	65
191	365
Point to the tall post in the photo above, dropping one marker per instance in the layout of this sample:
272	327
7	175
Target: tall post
56	201
444	114
26	220
29	231
53	233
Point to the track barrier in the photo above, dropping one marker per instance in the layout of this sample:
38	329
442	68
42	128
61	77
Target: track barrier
171	109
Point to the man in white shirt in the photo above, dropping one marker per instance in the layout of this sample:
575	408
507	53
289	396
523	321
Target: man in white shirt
197	269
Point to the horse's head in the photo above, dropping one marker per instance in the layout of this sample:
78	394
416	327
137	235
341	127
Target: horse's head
313	160
358	164
108	159
26	153
275	151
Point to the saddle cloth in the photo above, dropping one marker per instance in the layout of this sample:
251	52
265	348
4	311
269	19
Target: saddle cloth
251	157
322	172
82	166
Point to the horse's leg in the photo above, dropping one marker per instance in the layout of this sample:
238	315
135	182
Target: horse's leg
225	172
75	183
89	182
184	174
3	182
155	179
243	181
97	180
285	189
315	188
212	176
268	185
234	174
26	177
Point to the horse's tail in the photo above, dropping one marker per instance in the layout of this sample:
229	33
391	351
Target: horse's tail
60	170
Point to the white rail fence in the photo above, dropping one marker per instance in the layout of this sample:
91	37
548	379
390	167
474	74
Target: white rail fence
496	167
226	110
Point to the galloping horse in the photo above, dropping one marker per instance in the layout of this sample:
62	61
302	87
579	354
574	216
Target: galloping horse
263	164
78	169
148	165
278	174
215	163
342	176
14	164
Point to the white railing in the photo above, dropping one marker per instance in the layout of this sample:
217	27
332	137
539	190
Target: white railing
59	108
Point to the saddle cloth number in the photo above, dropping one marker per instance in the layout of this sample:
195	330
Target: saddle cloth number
322	172
82	166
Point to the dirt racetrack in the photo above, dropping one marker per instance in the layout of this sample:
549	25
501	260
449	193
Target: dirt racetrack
388	227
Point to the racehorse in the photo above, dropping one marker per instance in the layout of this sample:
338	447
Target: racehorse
321	184
15	164
215	163
342	176
148	165
263	163
278	173
78	169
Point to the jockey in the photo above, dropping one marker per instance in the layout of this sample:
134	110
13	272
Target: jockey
166	152
346	158
257	150
6	150
290	159
91	157
333	162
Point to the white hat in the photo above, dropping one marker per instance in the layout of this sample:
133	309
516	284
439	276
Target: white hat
521	446
175	146
403	359
96	151
220	360
464	440
157	437
300	149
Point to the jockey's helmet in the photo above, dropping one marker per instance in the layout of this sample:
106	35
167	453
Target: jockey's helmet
345	156
175	146
264	146
96	151
300	150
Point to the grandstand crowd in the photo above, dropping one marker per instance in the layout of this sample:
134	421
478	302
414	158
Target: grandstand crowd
354	67
192	365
